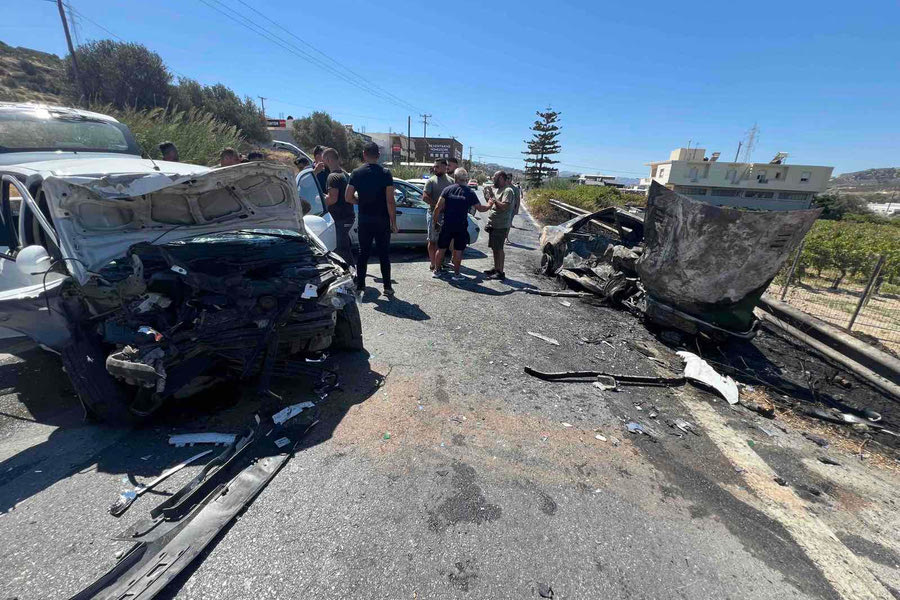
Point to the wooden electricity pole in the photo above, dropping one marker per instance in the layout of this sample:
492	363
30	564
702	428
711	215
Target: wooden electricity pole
65	24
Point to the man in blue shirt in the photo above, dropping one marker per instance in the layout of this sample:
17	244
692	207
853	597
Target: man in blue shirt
454	205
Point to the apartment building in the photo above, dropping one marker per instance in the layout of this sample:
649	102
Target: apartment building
774	185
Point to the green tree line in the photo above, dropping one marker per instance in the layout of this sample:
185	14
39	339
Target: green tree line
129	76
850	248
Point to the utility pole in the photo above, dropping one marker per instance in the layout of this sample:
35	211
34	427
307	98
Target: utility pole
425	125
736	154
408	137
263	101
78	82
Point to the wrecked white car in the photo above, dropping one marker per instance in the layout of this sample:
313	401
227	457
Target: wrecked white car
154	281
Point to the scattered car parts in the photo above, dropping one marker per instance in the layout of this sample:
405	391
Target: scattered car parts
127	498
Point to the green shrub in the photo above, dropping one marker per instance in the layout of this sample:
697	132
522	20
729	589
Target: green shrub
589	197
198	135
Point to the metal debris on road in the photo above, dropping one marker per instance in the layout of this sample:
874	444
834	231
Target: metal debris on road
766	431
605	382
589	375
818	440
780	481
682	425
565	303
289	412
127	498
698	370
544	590
637	428
825	460
539	336
189	439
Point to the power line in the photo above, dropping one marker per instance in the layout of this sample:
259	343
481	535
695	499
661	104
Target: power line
333	60
293	49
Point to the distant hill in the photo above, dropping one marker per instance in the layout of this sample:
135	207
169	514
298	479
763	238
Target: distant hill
31	76
871	184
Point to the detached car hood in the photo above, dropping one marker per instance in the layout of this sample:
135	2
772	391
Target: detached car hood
98	218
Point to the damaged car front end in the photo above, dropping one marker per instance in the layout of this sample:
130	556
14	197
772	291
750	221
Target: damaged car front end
158	286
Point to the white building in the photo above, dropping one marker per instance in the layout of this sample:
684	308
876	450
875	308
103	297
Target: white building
607	180
771	186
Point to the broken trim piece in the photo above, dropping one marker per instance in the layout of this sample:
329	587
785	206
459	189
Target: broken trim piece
622	379
127	498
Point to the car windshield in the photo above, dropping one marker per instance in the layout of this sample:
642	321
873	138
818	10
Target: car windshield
309	192
32	131
409	195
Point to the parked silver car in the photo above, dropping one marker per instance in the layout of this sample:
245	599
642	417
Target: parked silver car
411	211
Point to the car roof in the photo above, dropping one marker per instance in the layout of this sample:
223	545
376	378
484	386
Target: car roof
35	108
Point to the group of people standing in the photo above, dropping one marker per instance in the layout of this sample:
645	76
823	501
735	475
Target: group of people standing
371	189
450	200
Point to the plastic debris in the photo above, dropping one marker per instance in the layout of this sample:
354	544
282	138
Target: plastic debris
282	442
766	431
189	439
565	303
599	437
289	412
310	291
637	428
697	369
545	590
605	382
539	336
564	424
682	425
815	439
387	435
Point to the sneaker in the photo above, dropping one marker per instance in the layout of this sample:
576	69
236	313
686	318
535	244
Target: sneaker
457	277
437	274
389	292
500	276
490	271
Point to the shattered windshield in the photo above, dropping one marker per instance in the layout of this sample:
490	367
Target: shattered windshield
45	131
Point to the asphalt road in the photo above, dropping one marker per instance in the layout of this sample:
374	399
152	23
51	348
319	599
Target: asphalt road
440	470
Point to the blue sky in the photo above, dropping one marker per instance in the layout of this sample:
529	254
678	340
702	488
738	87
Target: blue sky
632	79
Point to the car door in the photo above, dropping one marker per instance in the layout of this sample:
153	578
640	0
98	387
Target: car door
317	220
411	211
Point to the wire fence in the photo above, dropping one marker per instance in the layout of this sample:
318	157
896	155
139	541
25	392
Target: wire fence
860	302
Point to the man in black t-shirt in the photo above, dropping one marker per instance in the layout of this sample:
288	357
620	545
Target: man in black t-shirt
320	169
335	199
371	187
454	205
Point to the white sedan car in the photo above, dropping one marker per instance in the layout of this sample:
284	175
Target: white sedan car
411	211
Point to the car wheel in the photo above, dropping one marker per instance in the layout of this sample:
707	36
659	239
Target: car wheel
548	261
102	396
348	329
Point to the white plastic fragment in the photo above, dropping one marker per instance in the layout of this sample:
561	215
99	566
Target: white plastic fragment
310	291
282	442
179	270
289	412
189	439
697	369
549	340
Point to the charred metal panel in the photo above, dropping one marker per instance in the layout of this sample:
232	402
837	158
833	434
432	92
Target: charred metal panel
714	262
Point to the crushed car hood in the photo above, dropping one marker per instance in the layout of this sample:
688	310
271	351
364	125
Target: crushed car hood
97	218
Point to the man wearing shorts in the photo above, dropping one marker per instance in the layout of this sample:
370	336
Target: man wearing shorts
499	222
437	184
453	206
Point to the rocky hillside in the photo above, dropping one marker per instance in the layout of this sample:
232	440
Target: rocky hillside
871	184
30	75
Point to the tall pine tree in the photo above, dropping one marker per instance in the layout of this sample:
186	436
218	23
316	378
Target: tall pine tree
544	144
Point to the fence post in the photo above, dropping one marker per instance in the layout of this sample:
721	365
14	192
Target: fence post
875	272
790	276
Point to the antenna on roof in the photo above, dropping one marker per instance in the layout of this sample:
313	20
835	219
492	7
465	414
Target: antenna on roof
752	136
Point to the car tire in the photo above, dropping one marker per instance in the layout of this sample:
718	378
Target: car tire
348	329
102	396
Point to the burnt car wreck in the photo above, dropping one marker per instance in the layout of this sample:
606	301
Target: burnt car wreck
683	265
238	289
